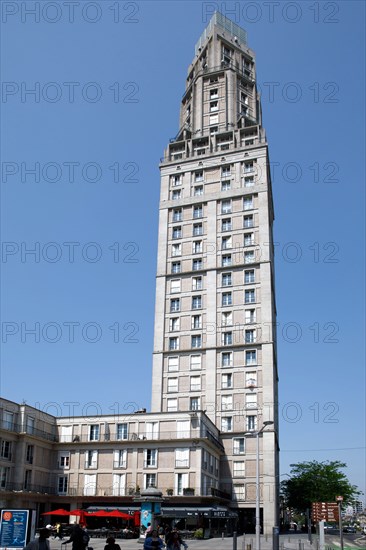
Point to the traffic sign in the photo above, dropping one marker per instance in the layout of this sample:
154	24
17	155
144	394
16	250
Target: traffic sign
327	511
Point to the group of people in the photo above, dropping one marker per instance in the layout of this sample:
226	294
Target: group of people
79	538
172	539
56	530
154	539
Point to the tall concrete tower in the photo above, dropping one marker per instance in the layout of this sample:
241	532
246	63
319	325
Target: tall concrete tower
215	337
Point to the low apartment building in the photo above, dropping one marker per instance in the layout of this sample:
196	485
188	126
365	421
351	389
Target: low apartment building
47	462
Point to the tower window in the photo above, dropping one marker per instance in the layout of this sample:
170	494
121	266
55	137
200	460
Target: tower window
198	211
177	215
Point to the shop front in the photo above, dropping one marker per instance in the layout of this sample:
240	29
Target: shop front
214	522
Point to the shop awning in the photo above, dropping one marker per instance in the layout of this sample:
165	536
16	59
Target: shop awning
125	509
208	512
175	511
184	512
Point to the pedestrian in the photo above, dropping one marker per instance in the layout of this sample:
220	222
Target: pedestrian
153	541
41	542
111	544
58	531
167	532
175	542
79	538
86	537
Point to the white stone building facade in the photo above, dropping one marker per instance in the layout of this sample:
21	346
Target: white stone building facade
215	375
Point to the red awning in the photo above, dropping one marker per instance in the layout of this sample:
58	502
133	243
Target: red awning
118	514
58	512
110	514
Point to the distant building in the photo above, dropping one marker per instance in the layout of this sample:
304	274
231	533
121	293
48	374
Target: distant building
358	507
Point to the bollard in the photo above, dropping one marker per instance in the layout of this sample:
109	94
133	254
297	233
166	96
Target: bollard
222	536
235	541
299	544
275	538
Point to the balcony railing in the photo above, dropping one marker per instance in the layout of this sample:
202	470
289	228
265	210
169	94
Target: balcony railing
119	464
215	147
116	490
143	435
21	429
20	488
220	494
225	65
6	456
150	464
182	463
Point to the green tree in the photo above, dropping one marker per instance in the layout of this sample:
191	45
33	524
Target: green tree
316	482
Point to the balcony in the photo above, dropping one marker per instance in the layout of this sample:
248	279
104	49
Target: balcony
90	466
202	432
150	464
182	463
220	494
9	426
6	456
75	490
21	429
19	488
244	121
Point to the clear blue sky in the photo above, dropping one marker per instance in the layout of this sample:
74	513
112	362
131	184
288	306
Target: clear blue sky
108	78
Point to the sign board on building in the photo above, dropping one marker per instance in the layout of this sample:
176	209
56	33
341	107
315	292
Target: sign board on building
219	514
13	528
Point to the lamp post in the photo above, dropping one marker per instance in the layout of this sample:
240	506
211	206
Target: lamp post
257	488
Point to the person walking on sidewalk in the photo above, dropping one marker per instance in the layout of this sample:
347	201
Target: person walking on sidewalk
41	542
79	539
153	541
175	542
111	544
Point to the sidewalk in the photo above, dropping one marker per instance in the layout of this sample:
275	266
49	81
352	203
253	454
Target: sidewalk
287	542
297	541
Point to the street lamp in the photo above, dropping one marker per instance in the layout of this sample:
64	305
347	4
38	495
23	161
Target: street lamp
257	488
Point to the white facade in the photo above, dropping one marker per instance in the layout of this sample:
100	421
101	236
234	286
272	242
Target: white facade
214	377
215	338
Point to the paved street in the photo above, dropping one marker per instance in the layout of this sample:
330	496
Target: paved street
287	542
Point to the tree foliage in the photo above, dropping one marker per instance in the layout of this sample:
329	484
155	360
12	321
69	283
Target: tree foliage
316	482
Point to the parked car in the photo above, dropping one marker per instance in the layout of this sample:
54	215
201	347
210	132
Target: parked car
349	529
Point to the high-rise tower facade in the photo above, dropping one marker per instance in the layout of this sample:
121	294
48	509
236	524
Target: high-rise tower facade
210	442
215	313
